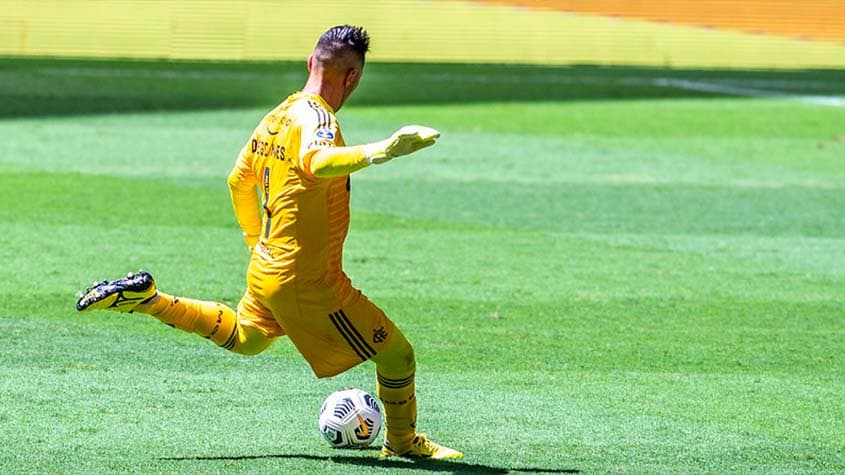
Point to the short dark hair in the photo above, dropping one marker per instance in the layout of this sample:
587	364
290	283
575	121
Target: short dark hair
340	39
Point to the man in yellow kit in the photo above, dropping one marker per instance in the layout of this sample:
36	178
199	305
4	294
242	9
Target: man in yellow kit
295	282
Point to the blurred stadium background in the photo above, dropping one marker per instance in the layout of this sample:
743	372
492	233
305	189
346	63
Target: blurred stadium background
666	33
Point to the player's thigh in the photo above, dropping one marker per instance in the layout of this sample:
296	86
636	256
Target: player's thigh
257	328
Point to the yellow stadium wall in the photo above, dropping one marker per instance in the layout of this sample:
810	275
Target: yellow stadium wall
675	33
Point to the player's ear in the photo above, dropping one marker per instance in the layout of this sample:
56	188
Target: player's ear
352	76
310	62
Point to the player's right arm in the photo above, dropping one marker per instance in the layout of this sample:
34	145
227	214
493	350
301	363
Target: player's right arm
339	161
242	190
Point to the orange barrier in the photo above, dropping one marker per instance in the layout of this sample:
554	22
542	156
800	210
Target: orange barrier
822	20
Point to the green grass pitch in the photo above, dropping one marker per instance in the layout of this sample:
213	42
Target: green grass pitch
603	270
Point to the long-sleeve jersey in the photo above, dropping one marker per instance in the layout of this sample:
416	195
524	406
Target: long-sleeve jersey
306	218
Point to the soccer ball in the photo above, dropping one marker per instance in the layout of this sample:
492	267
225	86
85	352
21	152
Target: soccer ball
350	418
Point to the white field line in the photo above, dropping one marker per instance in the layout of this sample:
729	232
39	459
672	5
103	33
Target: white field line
747	91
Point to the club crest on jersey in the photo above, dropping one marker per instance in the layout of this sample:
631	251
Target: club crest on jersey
325	134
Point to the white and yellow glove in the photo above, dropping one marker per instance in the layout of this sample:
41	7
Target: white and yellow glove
408	139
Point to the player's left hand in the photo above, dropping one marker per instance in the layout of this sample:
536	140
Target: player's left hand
404	141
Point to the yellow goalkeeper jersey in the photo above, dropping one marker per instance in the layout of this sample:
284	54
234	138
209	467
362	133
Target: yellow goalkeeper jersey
305	218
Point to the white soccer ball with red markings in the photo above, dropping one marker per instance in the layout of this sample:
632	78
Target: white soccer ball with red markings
350	418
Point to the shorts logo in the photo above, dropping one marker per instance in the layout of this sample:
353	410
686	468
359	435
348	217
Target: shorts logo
379	335
325	134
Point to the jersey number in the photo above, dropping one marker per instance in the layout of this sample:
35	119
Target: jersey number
266	200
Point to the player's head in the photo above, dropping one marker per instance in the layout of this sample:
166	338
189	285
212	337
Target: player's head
340	54
343	40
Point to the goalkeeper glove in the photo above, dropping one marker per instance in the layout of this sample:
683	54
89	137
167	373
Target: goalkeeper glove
406	140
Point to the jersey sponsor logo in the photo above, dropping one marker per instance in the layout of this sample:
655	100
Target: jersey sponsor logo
325	134
273	124
318	144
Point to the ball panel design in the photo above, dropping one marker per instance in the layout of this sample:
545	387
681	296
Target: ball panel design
350	418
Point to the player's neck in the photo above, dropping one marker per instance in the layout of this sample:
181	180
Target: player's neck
331	94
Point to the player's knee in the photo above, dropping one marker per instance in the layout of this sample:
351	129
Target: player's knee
398	356
249	349
250	342
406	356
400	347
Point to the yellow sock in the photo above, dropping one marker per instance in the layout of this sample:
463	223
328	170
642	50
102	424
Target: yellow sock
399	400
211	320
395	367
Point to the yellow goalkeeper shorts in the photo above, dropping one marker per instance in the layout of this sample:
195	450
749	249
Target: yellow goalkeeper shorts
332	334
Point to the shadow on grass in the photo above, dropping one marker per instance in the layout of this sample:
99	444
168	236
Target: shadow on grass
455	467
60	87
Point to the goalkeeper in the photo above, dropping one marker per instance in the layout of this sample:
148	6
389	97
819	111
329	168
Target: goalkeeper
295	281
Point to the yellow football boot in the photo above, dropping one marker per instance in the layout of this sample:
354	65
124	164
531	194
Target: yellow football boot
421	447
121	295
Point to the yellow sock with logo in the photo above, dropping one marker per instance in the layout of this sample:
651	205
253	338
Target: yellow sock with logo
397	394
211	320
